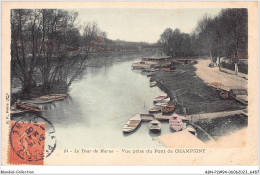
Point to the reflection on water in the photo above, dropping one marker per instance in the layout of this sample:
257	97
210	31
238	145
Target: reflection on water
99	104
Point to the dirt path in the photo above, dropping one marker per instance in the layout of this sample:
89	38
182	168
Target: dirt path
209	75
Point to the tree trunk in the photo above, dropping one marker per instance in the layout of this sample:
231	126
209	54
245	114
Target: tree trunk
27	84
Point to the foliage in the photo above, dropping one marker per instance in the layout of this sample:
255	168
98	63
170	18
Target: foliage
222	36
46	44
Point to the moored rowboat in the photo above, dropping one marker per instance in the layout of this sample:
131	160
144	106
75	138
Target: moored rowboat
168	109
29	107
153	83
39	101
150	74
176	122
17	111
132	123
155	109
160	98
62	95
166	100
53	97
147	117
155	126
161	104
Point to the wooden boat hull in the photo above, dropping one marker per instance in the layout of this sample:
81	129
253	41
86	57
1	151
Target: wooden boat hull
168	69
161	104
152	84
132	124
29	107
61	95
39	101
155	109
51	97
176	122
155	126
160	98
58	98
156	130
17	112
168	109
166	100
150	74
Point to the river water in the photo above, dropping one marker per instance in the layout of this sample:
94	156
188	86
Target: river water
100	103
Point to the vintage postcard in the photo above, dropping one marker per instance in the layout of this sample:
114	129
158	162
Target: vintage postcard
129	83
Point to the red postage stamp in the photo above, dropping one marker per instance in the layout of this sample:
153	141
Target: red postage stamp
27	143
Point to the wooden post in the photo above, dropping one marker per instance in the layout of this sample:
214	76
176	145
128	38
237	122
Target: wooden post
236	69
211	59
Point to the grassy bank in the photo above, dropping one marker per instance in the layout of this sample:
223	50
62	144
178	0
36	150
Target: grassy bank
223	125
190	94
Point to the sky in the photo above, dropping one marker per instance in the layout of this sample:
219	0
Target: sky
143	24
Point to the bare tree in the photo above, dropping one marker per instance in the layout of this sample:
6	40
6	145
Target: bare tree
47	48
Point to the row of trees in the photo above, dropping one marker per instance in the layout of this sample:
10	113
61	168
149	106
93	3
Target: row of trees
175	43
225	35
45	47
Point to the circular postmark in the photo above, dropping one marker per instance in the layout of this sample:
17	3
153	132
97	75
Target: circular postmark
32	138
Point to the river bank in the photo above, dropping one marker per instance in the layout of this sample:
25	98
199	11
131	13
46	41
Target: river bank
188	89
190	93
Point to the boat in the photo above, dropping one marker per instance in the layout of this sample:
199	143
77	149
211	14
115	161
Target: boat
160	98
168	109
142	65
148	70
191	130
155	109
175	122
166	100
155	126
168	69
53	97
150	74
39	101
132	123
62	95
153	70
29	106
161	104
57	98
153	83
145	70
147	117
17	111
